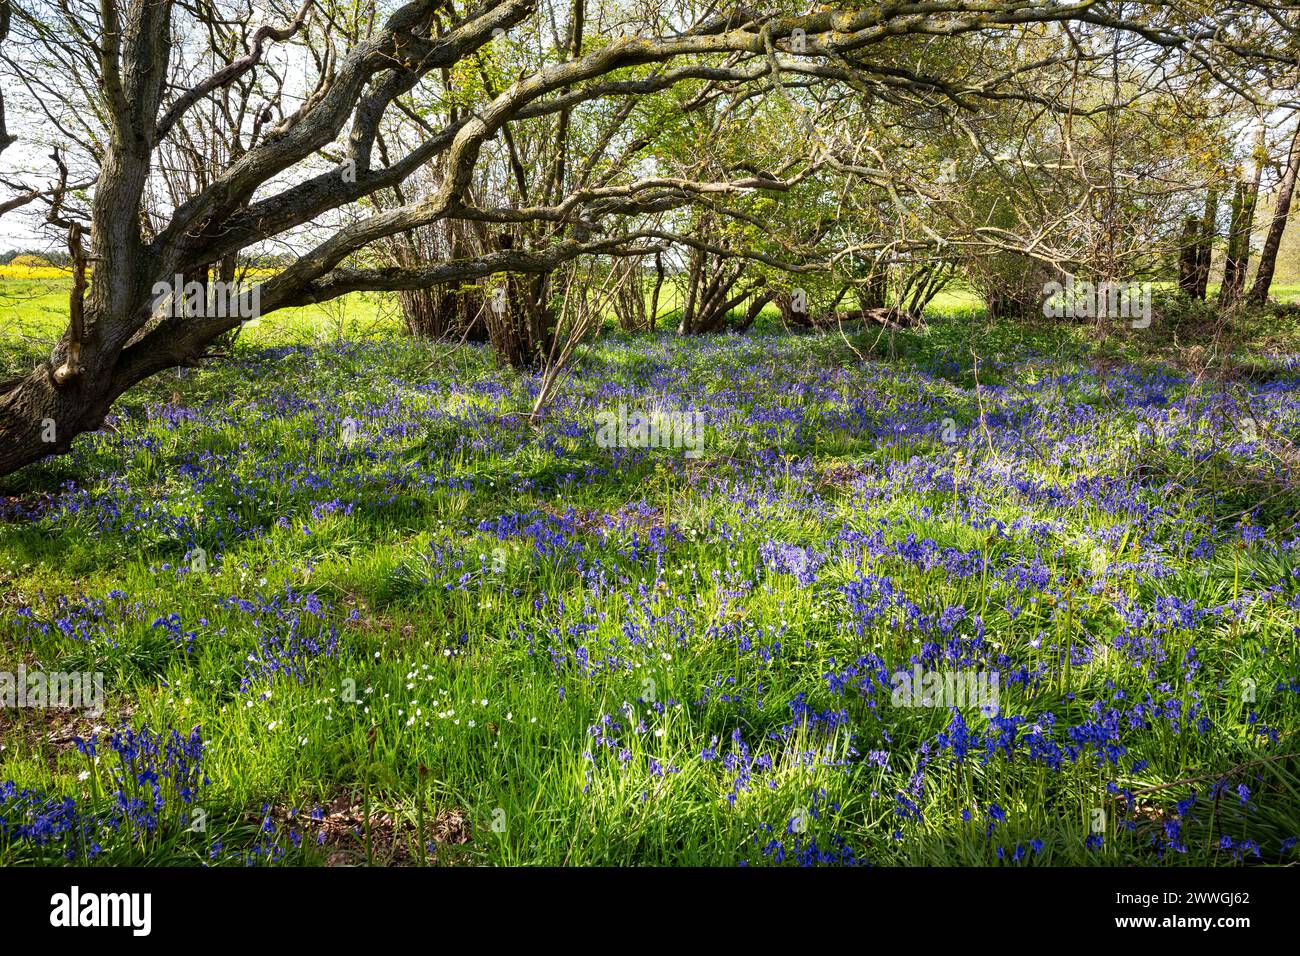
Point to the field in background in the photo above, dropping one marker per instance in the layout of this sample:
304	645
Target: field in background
34	311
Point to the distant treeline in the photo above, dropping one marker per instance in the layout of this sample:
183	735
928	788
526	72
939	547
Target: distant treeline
31	257
38	257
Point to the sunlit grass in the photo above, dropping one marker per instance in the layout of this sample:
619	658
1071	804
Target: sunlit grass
476	652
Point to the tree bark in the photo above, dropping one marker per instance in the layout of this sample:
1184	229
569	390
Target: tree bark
1244	197
1205	246
1189	246
1273	242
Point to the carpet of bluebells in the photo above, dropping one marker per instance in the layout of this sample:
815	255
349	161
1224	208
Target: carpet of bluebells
352	606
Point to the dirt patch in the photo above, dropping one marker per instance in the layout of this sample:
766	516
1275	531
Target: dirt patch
28	509
840	478
339	830
46	731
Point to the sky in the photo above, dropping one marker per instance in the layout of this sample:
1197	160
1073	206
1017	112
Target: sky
28	163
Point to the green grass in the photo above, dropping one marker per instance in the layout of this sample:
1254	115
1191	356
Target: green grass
471	666
34	313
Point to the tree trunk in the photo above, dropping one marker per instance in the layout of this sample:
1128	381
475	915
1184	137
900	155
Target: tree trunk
1189	247
1205	247
421	313
659	284
756	305
38	419
1244	197
93	363
696	262
629	295
1273	242
873	295
442	312
519	317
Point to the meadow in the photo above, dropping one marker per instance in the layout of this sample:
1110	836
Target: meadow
351	607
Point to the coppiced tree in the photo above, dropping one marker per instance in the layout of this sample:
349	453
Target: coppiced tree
294	108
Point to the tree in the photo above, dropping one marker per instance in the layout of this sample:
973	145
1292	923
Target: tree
295	111
1277	226
1245	195
1205	244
